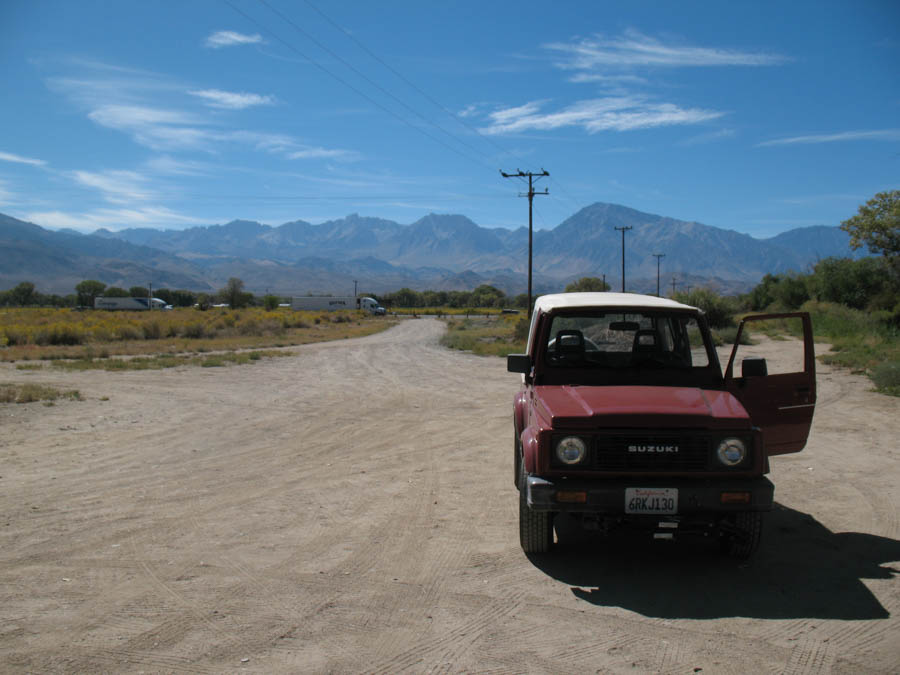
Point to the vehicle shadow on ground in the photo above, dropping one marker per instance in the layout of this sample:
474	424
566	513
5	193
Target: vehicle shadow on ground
803	570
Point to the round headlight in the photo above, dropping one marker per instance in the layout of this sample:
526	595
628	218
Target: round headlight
571	450
731	451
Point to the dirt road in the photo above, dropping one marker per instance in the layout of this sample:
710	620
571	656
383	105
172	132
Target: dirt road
351	509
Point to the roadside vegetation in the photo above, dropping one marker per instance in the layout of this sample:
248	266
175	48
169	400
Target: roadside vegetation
28	334
496	335
30	393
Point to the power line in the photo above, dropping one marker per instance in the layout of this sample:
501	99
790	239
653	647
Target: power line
325	70
409	83
349	65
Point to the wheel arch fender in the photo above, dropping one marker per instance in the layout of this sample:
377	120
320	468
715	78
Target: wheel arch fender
520	410
530	449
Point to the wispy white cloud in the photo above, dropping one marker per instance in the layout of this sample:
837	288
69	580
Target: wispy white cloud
113	219
216	98
709	137
169	166
18	159
229	38
620	113
156	112
873	135
633	48
818	199
323	153
608	79
132	116
118	187
6	197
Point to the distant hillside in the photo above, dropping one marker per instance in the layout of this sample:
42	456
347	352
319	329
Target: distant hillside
436	251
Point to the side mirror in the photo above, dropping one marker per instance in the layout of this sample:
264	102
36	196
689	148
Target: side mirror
754	367
518	363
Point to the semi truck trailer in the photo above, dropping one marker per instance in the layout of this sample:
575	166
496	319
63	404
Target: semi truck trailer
332	302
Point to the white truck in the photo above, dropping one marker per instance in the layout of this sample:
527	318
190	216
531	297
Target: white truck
129	304
331	302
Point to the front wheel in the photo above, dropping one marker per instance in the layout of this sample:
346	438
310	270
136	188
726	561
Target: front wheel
535	527
745	532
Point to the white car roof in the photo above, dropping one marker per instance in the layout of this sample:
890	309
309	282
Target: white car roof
548	303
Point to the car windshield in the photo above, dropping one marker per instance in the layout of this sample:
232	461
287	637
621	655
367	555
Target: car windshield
631	342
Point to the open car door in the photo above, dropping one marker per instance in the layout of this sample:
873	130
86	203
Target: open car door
780	404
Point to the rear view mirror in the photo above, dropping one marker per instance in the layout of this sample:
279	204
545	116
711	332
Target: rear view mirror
518	363
754	367
624	325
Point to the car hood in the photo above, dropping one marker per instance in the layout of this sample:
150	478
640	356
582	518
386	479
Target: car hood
585	406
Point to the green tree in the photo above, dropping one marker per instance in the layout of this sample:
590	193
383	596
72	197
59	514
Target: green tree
487	296
719	310
87	290
138	292
877	225
116	292
270	302
233	293
23	295
586	284
405	297
164	294
182	298
855	283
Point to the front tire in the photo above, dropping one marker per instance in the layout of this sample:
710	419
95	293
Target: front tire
535	527
743	539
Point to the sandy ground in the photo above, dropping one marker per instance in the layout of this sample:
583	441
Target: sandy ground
351	509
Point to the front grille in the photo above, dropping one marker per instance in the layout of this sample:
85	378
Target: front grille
638	451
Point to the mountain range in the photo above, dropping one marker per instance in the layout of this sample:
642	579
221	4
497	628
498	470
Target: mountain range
441	252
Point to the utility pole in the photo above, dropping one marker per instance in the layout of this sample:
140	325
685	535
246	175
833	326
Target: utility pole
673	285
658	256
150	296
532	177
623	230
355	282
604	281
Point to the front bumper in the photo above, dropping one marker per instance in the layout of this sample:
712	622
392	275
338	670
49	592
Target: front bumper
608	496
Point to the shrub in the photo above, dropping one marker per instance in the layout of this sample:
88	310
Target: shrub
521	331
129	332
719	310
59	334
194	330
152	330
886	377
728	334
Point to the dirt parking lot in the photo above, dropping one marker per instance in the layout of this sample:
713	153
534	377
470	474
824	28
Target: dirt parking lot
351	509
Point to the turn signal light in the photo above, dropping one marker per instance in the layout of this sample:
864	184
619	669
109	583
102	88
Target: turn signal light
571	497
735	498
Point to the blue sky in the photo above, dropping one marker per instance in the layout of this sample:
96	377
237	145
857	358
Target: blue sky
753	116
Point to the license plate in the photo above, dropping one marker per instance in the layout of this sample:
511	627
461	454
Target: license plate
651	500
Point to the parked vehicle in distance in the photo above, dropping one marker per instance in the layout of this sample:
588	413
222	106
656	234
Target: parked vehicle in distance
332	302
624	418
379	311
130	304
